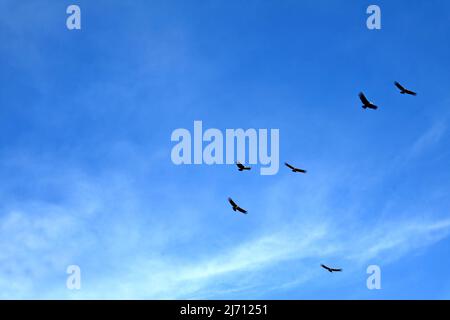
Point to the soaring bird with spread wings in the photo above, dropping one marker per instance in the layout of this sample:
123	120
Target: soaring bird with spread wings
294	169
403	90
236	207
367	103
330	269
241	167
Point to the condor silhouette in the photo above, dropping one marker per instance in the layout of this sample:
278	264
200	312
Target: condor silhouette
367	103
294	169
241	167
236	207
330	269
403	90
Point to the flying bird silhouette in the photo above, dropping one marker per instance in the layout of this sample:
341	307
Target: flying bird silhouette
242	167
366	103
403	90
330	269
236	207
294	169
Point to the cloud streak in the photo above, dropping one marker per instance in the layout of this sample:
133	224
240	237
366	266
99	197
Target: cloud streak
127	255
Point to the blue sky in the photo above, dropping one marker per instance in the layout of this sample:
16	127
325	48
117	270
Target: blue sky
87	179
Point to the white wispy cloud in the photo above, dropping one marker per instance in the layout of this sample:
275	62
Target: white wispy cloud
124	255
429	138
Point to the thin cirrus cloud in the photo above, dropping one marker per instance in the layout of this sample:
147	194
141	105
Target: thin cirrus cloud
430	138
123	254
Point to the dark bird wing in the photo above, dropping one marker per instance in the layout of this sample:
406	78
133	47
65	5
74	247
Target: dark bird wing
363	99
232	202
241	210
289	166
404	90
336	270
240	165
325	267
398	85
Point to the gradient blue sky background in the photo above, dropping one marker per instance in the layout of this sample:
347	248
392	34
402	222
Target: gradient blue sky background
86	175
